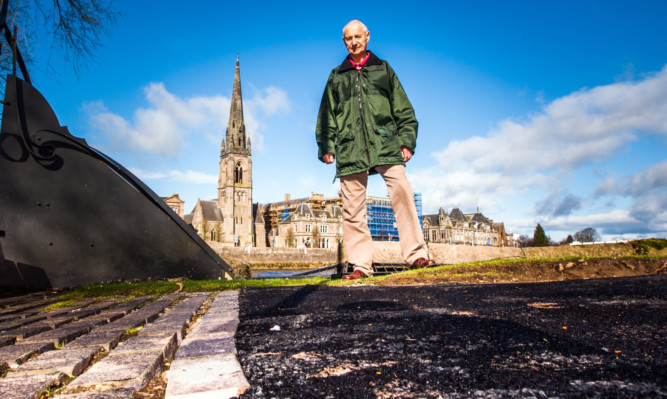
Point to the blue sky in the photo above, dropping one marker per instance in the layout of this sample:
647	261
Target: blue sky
534	112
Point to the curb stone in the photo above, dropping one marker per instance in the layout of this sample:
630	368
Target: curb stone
205	365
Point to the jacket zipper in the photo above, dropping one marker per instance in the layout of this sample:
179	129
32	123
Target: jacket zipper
363	120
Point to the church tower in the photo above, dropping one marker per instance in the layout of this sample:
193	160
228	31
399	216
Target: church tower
235	179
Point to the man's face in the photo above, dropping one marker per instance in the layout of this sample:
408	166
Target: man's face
356	40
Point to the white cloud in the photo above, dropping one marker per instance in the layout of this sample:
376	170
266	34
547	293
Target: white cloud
189	176
270	100
576	131
585	126
168	121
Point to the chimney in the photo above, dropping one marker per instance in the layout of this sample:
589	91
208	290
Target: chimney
287	197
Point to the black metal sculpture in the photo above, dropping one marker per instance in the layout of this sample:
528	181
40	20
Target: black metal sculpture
70	215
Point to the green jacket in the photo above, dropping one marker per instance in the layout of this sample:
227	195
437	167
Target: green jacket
364	118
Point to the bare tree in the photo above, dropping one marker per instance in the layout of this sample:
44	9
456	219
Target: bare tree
290	237
73	27
316	237
587	235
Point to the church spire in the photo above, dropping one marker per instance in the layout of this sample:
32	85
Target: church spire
236	135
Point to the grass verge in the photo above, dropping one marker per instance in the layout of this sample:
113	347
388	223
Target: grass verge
501	269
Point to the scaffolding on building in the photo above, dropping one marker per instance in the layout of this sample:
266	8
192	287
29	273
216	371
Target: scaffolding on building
380	217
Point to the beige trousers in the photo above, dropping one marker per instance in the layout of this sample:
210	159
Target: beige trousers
357	236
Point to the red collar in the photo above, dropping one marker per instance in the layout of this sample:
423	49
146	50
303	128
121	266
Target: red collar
362	63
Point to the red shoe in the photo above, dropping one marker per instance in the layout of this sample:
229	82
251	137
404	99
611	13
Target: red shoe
422	263
357	274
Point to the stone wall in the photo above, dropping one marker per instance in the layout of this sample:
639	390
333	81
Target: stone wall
275	257
390	252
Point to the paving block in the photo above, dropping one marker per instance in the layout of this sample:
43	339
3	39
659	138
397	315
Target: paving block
217	376
25	332
54	322
221	315
106	340
106	317
127	370
169	323
167	343
28	306
122	393
198	347
62	334
191	304
19	353
130	305
123	324
70	362
6	341
28	386
210	327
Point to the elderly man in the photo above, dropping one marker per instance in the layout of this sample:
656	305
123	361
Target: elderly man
367	125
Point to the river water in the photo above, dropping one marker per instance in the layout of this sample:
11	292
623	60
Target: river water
269	273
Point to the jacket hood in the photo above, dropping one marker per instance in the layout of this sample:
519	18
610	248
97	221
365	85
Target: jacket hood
372	60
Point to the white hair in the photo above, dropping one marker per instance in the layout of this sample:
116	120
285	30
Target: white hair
355	22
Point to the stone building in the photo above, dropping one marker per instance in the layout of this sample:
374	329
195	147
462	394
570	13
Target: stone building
468	229
309	228
275	212
230	218
175	203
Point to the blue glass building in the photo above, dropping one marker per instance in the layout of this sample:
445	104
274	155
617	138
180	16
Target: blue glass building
381	220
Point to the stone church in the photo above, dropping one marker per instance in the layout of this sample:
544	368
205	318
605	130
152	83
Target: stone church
230	219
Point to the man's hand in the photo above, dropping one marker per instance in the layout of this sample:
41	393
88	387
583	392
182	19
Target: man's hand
328	158
407	153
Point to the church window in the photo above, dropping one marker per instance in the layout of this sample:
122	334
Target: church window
238	173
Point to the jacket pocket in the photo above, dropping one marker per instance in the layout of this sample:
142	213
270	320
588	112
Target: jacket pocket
345	148
386	130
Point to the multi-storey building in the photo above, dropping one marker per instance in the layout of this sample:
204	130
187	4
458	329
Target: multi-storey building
291	223
309	228
459	228
380	217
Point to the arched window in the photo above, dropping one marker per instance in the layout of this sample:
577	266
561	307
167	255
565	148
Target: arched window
238	173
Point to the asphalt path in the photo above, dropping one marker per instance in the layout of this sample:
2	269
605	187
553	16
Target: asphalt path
598	338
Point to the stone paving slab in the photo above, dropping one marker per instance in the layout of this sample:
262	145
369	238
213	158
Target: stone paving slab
130	305
63	334
27	306
133	363
167	343
7	341
106	340
127	370
28	386
122	393
10	301
24	332
218	376
215	327
70	362
169	322
198	347
205	364
178	318
12	356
